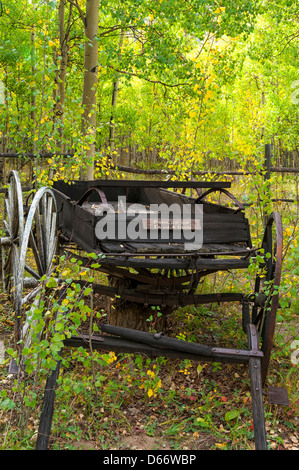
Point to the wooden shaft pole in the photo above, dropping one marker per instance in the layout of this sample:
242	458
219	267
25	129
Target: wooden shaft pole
255	371
45	423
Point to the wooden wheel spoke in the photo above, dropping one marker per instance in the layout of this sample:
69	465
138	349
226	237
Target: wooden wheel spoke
44	228
48	220
52	245
7	223
36	253
31	295
32	272
39	238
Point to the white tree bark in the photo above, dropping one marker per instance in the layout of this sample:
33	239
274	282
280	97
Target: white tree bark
89	100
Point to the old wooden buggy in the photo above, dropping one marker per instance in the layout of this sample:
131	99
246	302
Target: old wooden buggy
160	270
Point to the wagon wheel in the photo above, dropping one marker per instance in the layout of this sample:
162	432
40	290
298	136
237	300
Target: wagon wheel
266	298
36	257
13	221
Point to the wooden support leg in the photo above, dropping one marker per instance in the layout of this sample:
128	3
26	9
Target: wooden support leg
255	370
260	436
44	429
45	423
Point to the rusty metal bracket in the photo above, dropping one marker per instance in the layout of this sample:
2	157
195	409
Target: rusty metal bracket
278	396
238	352
90	191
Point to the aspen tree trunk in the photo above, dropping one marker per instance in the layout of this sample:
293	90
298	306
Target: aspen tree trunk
114	101
33	96
2	146
64	31
5	109
63	50
88	124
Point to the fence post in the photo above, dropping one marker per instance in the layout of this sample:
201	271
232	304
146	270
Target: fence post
267	161
267	168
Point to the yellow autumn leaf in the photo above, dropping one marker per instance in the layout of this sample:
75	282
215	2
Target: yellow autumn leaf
65	272
151	373
192	113
208	95
221	445
150	392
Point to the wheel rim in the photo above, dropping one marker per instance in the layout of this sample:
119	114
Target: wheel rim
13	220
266	288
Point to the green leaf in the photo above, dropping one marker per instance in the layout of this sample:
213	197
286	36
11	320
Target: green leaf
230	415
59	326
52	282
7	404
88	291
201	422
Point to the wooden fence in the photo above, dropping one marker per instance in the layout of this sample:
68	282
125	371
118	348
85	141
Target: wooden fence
24	158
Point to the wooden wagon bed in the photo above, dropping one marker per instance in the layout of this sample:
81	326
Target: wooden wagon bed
225	230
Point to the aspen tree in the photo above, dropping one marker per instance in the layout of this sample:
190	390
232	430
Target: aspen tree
89	101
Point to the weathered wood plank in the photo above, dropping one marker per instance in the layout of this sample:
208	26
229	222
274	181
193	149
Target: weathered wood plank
151	298
45	423
157	340
255	371
123	345
146	184
183	263
155	280
166	247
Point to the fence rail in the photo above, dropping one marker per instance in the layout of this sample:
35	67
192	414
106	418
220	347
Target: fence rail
128	169
267	170
204	172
